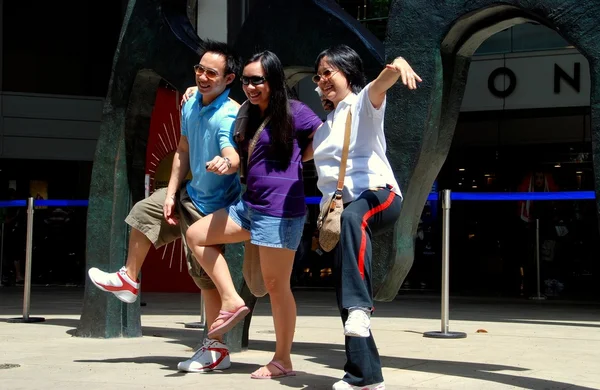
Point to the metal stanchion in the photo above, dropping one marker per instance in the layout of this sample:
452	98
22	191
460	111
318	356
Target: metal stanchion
146	185
445	333
202	323
27	284
146	194
1	253
202	311
539	296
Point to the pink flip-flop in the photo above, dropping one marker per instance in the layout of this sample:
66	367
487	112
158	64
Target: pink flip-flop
230	319
278	366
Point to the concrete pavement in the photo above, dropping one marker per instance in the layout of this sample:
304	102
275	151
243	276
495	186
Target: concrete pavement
532	345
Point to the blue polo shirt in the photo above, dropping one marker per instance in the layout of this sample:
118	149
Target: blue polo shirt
209	129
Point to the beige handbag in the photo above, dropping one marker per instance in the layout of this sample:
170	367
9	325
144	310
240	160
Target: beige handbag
251	268
330	218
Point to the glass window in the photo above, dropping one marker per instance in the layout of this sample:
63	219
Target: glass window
523	38
496	44
530	37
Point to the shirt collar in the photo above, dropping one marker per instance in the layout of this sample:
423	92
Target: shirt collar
215	104
350	99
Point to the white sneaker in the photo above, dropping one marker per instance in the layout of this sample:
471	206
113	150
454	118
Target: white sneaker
341	385
213	355
117	283
358	323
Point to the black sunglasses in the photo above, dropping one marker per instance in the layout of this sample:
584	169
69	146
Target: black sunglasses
254	80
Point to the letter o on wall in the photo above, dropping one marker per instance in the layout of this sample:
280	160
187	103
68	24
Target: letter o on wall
512	82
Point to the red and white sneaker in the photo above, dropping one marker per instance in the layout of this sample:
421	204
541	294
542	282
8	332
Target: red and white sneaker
118	283
213	355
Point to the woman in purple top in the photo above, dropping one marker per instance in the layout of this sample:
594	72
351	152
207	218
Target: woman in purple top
271	212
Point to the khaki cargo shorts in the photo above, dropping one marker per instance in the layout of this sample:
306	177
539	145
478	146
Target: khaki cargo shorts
147	217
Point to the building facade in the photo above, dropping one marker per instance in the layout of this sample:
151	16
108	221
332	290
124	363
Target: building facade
527	97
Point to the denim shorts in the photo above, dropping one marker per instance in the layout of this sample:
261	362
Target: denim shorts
266	230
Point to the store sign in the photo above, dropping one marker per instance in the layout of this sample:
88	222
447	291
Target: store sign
535	81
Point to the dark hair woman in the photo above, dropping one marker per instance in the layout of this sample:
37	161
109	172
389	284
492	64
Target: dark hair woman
272	133
371	195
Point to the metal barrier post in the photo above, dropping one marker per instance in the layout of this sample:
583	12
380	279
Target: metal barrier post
1	253
202	312
202	322
445	333
27	284
146	185
146	194
539	296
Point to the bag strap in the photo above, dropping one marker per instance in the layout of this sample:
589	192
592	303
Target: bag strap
340	184
254	139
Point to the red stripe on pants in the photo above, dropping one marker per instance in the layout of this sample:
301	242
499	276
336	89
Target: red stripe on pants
363	230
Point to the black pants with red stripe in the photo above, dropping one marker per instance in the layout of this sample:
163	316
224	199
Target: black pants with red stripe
372	213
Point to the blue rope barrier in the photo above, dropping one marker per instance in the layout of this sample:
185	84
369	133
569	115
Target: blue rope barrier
13	203
61	203
516	196
315	200
502	196
47	203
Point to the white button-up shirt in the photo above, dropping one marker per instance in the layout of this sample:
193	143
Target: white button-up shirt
367	165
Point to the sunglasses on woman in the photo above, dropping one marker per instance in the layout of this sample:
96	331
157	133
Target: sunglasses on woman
326	75
210	73
254	80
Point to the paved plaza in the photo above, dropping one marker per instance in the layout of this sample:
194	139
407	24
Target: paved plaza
510	344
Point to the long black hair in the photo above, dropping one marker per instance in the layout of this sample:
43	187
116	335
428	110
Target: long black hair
281	124
347	61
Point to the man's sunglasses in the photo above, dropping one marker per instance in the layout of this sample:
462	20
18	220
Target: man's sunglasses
254	80
326	75
210	73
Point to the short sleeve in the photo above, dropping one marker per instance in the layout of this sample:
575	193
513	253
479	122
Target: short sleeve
366	107
305	120
226	127
183	124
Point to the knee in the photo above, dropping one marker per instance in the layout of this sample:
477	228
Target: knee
351	220
192	237
276	286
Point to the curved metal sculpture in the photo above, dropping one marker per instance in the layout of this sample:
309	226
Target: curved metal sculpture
437	37
118	174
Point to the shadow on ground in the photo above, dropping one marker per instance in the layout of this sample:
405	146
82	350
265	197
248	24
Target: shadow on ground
327	354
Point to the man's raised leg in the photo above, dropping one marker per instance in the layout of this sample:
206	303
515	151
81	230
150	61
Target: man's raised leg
123	283
139	245
148	227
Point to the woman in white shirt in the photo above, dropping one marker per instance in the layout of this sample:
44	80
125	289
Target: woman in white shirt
371	194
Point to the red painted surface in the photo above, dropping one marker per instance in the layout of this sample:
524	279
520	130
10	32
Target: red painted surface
165	269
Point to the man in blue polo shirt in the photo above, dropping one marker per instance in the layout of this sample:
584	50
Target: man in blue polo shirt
207	150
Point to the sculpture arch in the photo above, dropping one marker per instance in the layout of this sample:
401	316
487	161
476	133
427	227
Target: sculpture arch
438	37
439	40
